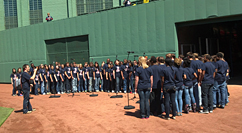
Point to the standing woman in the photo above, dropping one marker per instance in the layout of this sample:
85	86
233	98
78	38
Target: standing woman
53	79
190	76
91	72
179	85
108	78
98	76
18	81
47	81
168	85
36	82
62	71
144	83
14	77
81	77
117	75
58	76
103	75
112	81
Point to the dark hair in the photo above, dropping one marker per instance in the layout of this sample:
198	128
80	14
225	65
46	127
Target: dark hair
161	59
18	69
168	61
25	66
153	59
173	56
13	69
220	55
181	56
208	57
186	62
97	66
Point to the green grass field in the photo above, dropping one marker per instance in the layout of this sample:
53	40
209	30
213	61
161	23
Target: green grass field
4	114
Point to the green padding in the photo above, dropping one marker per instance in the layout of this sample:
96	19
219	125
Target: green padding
4	114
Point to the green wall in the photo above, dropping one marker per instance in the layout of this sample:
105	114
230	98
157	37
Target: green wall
2	27
148	28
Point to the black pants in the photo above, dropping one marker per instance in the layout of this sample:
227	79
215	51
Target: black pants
112	84
155	102
170	94
53	84
68	85
207	97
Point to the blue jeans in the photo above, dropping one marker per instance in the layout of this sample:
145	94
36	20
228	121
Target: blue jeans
36	88
74	85
42	86
80	85
196	93
144	95
126	84
102	85
90	83
62	87
58	85
26	103
132	83
226	94
14	85
97	80
86	84
68	84
47	87
178	98
117	84
221	90
189	95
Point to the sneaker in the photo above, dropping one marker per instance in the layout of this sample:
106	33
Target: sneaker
33	109
22	95
120	91
147	117
108	91
58	93
226	104
204	112
101	90
112	91
221	107
142	117
167	118
134	92
29	112
85	91
44	93
61	92
210	111
125	92
173	117
14	95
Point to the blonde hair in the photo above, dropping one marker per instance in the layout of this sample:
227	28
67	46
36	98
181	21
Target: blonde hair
142	62
178	61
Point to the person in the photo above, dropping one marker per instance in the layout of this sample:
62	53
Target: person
155	104
105	68
143	85
53	79
189	76
47	81
62	73
131	77
68	77
103	75
75	78
58	77
168	87
112	81
108	78
221	69
36	82
42	77
117	76
207	78
25	81
86	76
49	18
125	75
91	72
81	77
97	77
18	81
127	3
13	77
179	85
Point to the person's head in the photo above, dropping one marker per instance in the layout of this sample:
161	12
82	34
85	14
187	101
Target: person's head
26	67
168	55
142	62
103	64
187	62
67	64
111	62
125	61
48	14
51	67
86	64
121	63
117	62
96	65
214	58
152	60
108	60
41	66
56	63
181	57
201	58
57	67
207	58
173	56
14	70
220	55
19	70
74	64
189	54
130	64
62	66
177	62
161	59
71	65
135	63
91	64
195	55
32	65
168	62
80	66
109	65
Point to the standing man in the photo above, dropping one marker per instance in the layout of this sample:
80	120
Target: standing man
42	78
105	69
207	78
125	75
68	77
25	81
74	73
49	18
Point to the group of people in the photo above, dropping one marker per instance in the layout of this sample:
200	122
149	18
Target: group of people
160	82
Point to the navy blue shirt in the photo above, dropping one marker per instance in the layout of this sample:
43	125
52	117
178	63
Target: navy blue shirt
31	70
111	72
62	71
105	67
117	70
47	74
81	73
209	69
85	70
68	71
57	74
179	76
144	77
125	69
74	71
169	76
36	77
190	75
52	73
91	70
156	69
195	65
14	76
19	75
221	72
162	66
134	69
25	81
97	73
42	72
